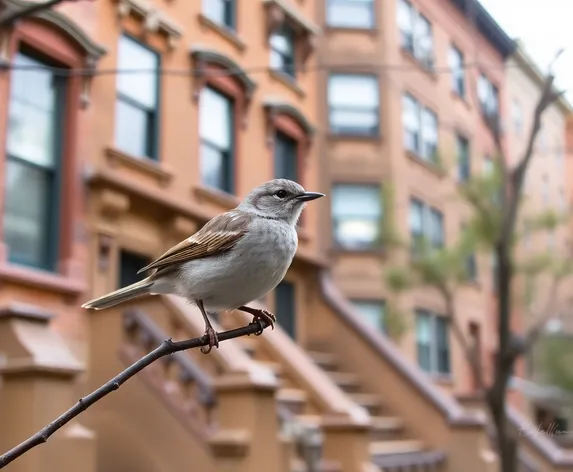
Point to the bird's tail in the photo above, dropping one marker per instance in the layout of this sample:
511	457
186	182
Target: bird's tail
122	295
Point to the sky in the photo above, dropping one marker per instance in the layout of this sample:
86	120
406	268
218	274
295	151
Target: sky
544	26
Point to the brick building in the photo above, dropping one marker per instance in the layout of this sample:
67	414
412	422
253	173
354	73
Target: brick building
144	120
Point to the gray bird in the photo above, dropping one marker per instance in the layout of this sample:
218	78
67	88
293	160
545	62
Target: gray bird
237	257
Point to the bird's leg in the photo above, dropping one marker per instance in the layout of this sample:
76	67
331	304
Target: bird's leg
260	315
209	331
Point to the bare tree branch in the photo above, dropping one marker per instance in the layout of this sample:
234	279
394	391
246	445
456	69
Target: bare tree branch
11	16
167	347
469	351
516	177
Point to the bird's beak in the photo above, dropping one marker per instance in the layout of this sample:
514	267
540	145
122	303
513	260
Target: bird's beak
308	196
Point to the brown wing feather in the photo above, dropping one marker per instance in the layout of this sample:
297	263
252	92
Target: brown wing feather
218	235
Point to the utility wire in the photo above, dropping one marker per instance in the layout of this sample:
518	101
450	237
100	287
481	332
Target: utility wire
194	72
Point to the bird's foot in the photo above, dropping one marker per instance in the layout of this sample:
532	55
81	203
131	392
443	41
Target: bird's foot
264	315
213	340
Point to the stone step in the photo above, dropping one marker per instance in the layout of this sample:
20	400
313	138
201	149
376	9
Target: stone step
324	360
347	381
275	367
293	398
369	401
400	446
386	428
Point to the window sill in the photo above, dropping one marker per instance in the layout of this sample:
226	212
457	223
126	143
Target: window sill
213	195
370	30
224	32
442	379
154	169
373	138
47	281
434	168
288	81
413	59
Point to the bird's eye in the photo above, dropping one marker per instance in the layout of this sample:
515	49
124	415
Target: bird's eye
281	193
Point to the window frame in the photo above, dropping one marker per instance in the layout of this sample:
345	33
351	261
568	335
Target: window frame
52	248
229	156
288	32
375	109
229	14
409	40
368	4
426	231
492	92
458	77
381	304
292	315
464	162
373	245
287	141
421	111
153	117
436	322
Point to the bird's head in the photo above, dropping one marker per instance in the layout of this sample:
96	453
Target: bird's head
279	198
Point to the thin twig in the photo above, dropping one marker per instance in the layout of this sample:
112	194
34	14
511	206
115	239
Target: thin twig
167	347
9	18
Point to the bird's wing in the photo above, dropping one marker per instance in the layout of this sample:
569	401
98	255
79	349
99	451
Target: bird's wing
218	235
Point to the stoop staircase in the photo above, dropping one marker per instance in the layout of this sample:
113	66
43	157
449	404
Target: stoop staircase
392	447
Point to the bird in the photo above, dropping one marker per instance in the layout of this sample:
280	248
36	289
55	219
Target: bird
235	258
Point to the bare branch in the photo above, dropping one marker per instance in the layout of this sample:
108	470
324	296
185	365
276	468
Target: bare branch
469	351
11	16
516	177
167	347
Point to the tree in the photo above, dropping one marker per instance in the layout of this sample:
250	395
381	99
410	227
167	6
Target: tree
495	227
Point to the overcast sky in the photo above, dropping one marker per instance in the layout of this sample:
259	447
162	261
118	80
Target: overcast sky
544	26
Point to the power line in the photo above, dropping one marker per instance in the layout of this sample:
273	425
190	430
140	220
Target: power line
195	72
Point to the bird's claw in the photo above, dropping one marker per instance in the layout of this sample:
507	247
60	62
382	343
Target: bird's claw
213	340
267	316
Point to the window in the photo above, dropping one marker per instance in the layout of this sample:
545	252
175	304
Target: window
356	215
456	60
136	114
488	96
470	262
488	166
221	12
371	311
286	157
285	307
433	344
353	103
420	129
282	44
415	33
463	154
129	264
33	159
426	224
517	117
350	13
216	135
